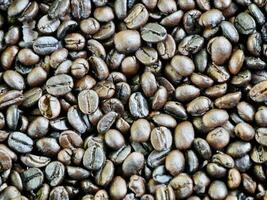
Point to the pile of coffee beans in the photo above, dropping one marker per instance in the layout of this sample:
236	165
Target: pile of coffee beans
133	99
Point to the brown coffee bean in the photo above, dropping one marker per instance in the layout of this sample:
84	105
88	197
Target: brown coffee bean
182	185
199	106
118	188
217	190
49	106
257	92
184	135
136	17
5	161
127	41
133	163
186	92
161	138
244	131
28	57
175	162
218	138
140	130
220	49
148	84
14	80
183	65
114	139
233	179
88	101
215	118
228	101
211	18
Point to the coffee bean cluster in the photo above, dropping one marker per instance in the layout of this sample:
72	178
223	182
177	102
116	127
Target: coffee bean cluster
133	99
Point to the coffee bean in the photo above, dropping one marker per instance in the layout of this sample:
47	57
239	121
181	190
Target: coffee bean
218	190
20	142
220	49
138	105
118	188
133	163
153	32
218	138
136	17
11	97
48	146
201	181
54	173
45	45
215	118
161	138
5	161
31	160
49	106
88	101
32	178
175	162
59	192
146	55
257	93
94	157
59	85
182	185
244	23
211	18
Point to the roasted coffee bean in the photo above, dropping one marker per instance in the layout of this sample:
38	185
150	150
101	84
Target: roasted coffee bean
228	101
32	178
244	23
5	161
201	181
175	162
77	120
106	122
59	85
202	148
48	146
49	106
215	118
161	138
10	97
184	135
138	105
88	101
257	93
94	157
45	45
238	149
20	142
54	173
211	18
147	55
31	160
59	192
133	164
153	33
120	155
118	188
136	17
38	127
220	49
182	185
217	190
218	138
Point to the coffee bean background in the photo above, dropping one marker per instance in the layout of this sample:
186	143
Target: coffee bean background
133	99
